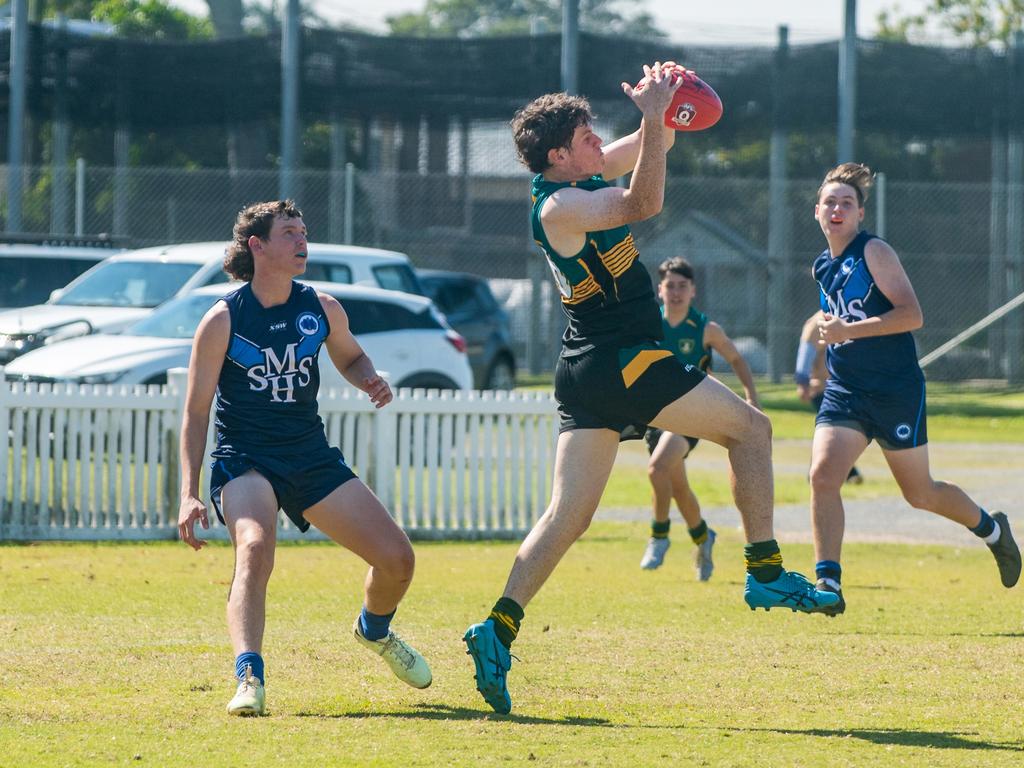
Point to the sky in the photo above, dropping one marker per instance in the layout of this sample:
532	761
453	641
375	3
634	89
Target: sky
686	21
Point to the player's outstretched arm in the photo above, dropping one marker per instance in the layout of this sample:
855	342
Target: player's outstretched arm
716	338
349	358
208	350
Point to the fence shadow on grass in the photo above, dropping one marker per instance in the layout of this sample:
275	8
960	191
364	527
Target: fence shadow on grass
445	712
901	737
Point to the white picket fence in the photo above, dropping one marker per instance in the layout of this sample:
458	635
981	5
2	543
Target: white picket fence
99	463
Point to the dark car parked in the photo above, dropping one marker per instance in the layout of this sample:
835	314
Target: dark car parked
473	312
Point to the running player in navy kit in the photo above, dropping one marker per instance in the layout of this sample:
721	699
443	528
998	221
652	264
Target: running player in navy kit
611	373
257	349
875	389
691	337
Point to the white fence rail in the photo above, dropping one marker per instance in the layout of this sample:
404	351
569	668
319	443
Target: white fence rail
98	463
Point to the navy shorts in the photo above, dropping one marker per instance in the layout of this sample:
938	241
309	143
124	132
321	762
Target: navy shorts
653	436
299	482
895	419
620	388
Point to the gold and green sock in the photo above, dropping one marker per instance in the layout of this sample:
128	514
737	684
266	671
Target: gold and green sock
660	530
507	614
700	533
764	560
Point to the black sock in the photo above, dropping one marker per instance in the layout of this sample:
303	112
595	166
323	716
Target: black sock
700	533
507	614
660	530
764	560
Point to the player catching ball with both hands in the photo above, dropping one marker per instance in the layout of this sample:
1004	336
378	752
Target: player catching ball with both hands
875	388
612	374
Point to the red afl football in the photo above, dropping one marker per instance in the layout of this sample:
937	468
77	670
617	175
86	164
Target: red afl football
695	105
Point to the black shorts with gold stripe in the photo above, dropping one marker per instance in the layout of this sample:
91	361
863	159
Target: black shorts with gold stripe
620	388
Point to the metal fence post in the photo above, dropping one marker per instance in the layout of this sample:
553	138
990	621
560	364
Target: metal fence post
80	196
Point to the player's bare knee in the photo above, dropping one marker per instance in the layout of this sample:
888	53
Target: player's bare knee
826	478
658	469
920	497
254	557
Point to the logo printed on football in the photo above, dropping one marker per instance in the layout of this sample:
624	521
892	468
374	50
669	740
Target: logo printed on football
695	105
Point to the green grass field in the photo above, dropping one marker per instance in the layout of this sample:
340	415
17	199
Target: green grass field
118	655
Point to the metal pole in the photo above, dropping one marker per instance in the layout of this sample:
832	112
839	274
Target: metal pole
847	84
880	204
336	199
1015	208
997	240
80	196
289	99
59	198
350	202
779	278
570	45
16	113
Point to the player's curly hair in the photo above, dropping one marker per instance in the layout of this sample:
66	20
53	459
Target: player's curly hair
255	219
548	123
676	265
857	175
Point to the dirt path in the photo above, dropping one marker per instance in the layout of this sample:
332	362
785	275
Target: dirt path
992	474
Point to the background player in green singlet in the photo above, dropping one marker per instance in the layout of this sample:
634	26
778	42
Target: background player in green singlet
691	337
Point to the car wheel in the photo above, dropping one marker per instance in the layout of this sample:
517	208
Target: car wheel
501	375
426	381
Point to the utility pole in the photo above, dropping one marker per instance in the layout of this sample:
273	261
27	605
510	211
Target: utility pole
847	84
570	45
16	114
289	99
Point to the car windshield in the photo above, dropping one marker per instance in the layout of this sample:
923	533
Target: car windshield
29	281
129	284
177	319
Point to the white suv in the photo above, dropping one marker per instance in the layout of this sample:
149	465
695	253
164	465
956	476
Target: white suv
405	336
128	286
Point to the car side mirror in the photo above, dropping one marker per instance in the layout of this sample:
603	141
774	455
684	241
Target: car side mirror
55	294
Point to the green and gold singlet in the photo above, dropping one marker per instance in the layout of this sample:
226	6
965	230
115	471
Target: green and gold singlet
686	340
606	292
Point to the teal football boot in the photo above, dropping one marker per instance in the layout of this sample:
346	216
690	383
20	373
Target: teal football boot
493	661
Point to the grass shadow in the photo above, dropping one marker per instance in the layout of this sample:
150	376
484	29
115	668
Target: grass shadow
445	712
901	737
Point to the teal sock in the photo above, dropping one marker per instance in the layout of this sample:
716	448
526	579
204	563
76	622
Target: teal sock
660	530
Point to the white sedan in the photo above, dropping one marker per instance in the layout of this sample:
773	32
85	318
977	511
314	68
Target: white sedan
405	336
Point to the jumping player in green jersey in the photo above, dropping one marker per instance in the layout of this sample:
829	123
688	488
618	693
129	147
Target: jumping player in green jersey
612	374
691	337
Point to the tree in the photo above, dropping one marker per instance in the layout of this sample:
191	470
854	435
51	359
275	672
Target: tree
975	22
151	19
450	18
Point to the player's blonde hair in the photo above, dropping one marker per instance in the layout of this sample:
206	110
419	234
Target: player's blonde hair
856	175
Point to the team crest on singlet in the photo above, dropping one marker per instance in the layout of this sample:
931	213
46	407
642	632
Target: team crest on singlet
686	346
307	324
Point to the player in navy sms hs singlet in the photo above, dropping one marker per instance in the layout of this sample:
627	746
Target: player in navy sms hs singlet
875	388
257	351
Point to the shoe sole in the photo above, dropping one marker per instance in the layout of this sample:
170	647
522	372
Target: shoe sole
492	693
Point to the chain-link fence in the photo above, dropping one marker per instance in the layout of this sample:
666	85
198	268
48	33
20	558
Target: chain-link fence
954	240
